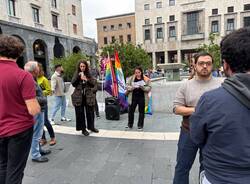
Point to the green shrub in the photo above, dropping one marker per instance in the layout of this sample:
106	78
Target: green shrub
69	64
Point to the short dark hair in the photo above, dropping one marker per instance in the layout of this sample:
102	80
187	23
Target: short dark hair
57	66
10	46
235	50
198	55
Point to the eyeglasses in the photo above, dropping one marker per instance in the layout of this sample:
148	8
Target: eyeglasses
203	63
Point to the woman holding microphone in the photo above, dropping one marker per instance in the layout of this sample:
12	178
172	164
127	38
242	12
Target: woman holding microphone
83	98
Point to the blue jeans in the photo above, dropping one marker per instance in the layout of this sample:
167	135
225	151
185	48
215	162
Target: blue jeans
60	102
185	158
37	134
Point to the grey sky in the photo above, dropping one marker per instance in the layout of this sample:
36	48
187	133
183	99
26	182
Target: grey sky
93	9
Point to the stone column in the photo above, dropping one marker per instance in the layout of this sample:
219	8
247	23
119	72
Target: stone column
179	56
154	60
166	57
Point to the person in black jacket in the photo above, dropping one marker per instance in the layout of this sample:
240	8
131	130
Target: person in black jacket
83	98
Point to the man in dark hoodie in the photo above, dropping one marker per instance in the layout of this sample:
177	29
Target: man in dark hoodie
221	121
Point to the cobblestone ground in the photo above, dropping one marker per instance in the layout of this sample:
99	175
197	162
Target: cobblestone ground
114	156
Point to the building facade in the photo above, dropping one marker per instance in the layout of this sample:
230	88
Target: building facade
48	29
119	28
171	30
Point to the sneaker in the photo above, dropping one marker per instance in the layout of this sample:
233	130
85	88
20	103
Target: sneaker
40	159
140	129
65	119
52	122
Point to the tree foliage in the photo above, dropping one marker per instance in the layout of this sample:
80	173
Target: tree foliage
69	64
213	49
130	56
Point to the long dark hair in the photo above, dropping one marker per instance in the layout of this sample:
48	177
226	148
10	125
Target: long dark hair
140	68
86	72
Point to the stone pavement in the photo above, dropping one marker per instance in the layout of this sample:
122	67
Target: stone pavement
114	156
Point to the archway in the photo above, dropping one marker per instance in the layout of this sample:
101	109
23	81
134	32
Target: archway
58	49
1	32
76	50
23	58
40	53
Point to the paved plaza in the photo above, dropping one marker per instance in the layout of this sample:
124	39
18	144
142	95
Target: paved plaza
114	156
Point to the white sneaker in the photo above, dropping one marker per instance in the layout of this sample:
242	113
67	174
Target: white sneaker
52	122
65	119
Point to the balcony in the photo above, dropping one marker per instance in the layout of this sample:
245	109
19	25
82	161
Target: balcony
14	19
39	26
198	36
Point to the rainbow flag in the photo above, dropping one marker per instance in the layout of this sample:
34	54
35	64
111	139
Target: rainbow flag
121	82
110	80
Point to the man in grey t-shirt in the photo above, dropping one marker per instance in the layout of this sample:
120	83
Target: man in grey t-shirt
185	101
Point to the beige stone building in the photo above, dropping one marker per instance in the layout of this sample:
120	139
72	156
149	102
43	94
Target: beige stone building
119	28
48	28
171	30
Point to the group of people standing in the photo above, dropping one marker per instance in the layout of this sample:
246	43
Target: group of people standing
24	108
216	116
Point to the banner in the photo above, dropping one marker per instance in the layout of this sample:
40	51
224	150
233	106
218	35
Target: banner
148	107
121	82
110	79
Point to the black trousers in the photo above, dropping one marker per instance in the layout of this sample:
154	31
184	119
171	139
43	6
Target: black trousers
80	112
14	153
96	108
48	125
140	101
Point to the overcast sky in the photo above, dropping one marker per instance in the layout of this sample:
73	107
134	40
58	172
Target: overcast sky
93	9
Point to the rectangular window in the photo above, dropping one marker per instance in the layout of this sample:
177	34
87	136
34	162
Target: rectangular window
230	9
12	7
171	18
113	39
112	27
129	25
75	28
246	21
129	38
246	7
215	11
120	26
171	2
121	39
105	40
192	23
146	7
159	33
159	20
55	21
53	3
230	24
172	32
158	4
215	26
147	34
147	21
104	28
35	13
73	9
